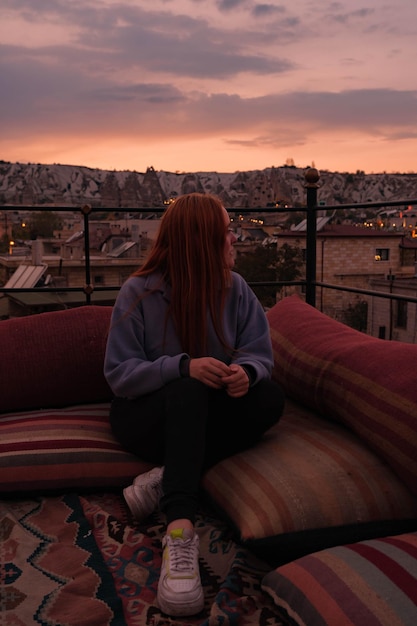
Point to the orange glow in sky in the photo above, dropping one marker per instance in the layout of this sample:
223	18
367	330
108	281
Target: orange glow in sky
226	85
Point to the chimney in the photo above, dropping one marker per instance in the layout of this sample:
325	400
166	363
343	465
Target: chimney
37	252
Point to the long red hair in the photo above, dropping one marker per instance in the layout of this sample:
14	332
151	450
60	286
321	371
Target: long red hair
189	251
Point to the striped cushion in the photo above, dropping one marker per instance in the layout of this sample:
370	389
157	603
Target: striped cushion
307	485
58	449
370	583
367	383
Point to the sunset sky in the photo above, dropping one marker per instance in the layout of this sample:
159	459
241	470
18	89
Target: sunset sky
210	85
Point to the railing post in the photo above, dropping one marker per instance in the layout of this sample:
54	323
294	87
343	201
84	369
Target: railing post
312	176
88	288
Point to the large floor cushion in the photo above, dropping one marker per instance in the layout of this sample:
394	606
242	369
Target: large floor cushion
63	449
309	484
367	383
369	583
54	359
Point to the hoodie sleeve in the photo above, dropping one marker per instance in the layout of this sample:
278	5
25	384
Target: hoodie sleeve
128	369
253	339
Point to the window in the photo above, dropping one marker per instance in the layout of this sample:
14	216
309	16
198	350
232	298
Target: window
401	314
382	254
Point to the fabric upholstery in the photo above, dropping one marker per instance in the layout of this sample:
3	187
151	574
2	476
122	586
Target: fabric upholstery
362	584
63	449
369	384
54	359
84	560
308	483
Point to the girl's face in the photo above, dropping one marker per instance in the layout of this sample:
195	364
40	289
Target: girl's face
229	251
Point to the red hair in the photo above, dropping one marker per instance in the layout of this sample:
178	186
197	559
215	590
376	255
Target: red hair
189	251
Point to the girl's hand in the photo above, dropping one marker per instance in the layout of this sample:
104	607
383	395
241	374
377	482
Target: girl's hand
210	371
237	381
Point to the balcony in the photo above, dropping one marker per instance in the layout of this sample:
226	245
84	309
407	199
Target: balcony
371	272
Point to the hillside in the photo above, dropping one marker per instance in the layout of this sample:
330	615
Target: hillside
67	185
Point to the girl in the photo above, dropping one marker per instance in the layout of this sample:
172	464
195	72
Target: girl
189	360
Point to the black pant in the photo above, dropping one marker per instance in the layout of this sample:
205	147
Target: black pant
188	427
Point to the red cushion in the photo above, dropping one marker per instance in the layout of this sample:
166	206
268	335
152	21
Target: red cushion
54	359
367	383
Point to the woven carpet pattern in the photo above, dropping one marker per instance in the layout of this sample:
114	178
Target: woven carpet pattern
83	561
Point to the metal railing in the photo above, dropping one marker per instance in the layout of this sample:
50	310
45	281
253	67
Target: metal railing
309	283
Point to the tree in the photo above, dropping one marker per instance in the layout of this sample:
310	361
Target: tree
20	232
268	263
4	243
43	224
356	315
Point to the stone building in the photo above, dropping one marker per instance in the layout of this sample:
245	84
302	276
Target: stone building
361	258
394	319
117	248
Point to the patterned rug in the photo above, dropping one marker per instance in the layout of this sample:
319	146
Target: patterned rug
83	561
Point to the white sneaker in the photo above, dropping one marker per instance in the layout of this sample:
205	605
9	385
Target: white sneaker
143	496
179	588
